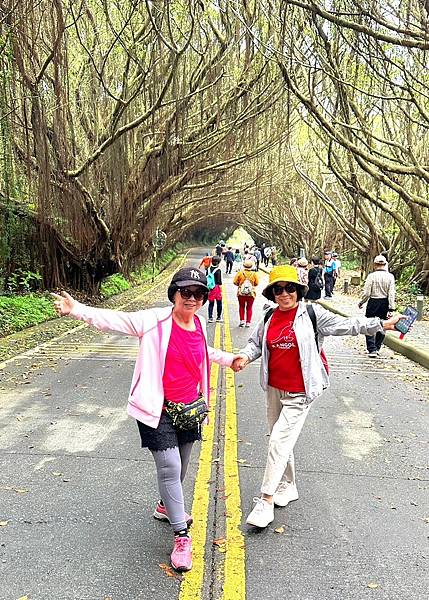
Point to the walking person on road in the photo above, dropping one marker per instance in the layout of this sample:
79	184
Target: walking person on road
214	284
379	294
172	367
315	280
238	260
229	259
206	261
266	255
293	374
302	268
329	274
246	282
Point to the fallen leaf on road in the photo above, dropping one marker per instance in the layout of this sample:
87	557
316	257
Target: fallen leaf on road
4	523
426	520
12	489
23	598
170	572
57	474
219	542
279	530
373	586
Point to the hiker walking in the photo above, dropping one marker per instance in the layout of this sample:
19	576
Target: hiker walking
214	284
229	259
329	274
379	294
246	282
315	280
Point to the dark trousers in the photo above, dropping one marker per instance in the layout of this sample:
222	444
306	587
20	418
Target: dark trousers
218	306
228	267
329	284
376	307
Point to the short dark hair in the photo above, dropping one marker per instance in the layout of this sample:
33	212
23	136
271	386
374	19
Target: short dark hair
216	260
315	260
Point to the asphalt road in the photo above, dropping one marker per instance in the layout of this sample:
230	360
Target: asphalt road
77	493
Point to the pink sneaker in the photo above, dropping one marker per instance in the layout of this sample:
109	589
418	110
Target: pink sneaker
181	557
160	513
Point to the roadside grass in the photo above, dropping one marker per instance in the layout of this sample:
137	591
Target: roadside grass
20	311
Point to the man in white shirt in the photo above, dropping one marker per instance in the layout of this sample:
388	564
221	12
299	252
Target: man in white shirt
379	293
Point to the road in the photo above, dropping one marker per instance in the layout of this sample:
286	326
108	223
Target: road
77	493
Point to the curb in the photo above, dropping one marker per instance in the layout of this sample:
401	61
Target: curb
415	354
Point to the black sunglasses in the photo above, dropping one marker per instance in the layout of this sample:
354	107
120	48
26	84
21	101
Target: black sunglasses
279	289
186	293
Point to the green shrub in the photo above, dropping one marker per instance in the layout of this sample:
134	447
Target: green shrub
23	281
19	312
114	284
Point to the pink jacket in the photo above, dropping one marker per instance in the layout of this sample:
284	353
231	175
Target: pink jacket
153	328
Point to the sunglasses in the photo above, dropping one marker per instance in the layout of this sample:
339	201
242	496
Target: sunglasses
187	293
289	288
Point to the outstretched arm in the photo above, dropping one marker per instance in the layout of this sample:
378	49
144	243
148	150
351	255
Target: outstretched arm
131	323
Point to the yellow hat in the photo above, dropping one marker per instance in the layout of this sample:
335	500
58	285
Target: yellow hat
282	273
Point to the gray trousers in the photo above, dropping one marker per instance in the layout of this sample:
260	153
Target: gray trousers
171	467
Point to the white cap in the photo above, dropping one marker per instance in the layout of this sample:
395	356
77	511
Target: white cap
380	260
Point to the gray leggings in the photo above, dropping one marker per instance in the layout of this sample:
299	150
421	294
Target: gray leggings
171	467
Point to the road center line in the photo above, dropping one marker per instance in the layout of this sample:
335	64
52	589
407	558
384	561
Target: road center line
192	584
234	587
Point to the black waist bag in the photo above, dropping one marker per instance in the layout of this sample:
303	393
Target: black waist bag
187	416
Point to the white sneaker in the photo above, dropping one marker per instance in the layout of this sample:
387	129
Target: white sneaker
241	324
262	515
286	492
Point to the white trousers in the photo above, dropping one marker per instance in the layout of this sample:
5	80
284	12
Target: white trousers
286	414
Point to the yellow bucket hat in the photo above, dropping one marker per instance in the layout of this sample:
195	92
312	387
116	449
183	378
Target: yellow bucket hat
282	273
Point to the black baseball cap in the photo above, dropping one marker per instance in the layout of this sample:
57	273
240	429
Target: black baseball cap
184	277
189	276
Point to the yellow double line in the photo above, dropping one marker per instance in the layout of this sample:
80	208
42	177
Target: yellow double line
233	576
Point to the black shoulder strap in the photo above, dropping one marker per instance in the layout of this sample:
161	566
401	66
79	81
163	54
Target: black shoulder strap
312	315
268	314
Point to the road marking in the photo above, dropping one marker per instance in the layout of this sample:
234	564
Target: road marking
234	587
192	584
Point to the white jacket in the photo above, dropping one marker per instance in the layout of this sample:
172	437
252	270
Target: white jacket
314	373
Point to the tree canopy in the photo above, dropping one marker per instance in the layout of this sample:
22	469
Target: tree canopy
304	122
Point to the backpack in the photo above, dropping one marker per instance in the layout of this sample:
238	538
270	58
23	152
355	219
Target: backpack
211	283
246	288
318	281
312	315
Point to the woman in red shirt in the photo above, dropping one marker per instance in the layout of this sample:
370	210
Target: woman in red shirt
293	374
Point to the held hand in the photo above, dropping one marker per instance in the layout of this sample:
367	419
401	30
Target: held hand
239	362
63	304
360	304
389	324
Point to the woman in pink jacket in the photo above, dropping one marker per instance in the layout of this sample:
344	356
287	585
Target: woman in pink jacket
172	367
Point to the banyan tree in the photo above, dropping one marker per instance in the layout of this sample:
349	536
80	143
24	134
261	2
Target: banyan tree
304	122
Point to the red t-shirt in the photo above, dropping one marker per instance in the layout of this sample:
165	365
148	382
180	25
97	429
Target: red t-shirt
284	366
183	362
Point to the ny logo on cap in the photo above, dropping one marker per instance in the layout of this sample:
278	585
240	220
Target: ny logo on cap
195	274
